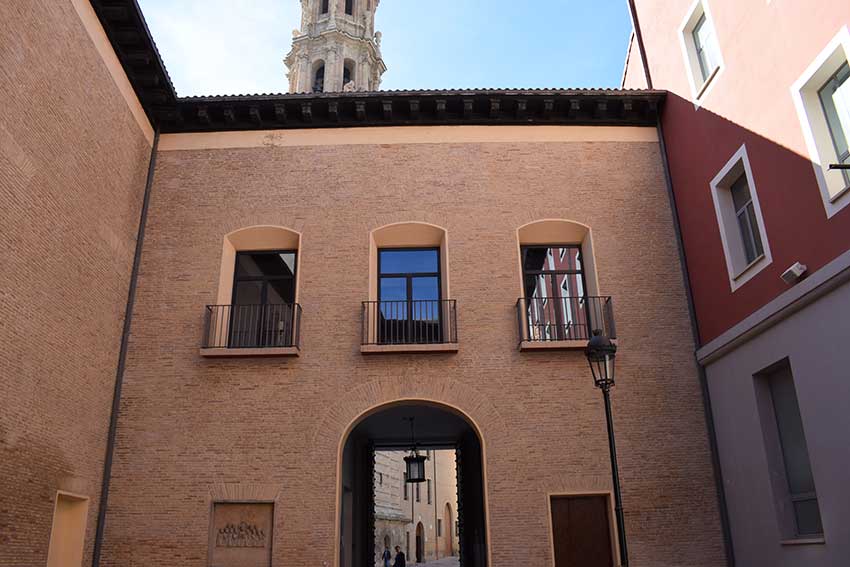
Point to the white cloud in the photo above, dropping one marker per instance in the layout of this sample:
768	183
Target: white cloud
224	46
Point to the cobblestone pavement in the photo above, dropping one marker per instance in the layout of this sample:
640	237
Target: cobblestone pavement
447	562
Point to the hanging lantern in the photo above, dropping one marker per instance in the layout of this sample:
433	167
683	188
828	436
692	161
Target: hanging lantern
415	466
414	462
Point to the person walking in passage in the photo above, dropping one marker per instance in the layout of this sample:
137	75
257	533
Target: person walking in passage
399	558
386	555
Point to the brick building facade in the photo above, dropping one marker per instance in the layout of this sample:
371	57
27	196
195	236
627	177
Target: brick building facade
255	455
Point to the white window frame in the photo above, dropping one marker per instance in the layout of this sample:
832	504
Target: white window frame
699	87
739	270
834	193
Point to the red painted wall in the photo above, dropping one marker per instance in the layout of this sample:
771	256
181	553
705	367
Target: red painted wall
766	47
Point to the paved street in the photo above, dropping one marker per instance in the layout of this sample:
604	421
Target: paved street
447	562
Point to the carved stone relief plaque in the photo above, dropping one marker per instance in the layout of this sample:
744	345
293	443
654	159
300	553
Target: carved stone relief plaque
241	534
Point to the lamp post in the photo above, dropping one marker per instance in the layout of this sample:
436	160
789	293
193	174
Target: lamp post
600	354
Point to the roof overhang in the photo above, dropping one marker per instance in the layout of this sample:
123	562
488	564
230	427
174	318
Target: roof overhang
127	31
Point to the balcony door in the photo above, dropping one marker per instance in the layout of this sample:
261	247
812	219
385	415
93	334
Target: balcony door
409	296
555	293
263	299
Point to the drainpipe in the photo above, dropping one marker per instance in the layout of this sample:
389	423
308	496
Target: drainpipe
122	360
641	48
709	416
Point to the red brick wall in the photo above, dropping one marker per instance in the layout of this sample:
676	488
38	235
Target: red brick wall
191	427
72	171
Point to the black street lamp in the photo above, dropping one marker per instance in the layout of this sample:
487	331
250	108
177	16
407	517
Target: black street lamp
600	354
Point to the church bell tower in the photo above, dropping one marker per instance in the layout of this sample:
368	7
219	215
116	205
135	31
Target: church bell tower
337	48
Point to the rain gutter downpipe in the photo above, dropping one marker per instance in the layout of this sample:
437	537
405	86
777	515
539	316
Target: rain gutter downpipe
122	360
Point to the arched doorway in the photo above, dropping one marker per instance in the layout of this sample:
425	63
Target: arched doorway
439	428
420	543
448	531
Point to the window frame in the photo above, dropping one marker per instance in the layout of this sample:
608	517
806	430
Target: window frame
777	462
409	277
405	484
739	270
561	307
700	81
265	279
819	141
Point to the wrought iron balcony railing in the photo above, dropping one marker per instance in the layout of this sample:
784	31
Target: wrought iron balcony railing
409	322
564	318
252	326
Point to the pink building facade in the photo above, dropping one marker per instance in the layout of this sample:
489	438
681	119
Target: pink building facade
755	128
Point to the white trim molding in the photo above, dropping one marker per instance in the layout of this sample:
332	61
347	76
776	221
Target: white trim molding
740	271
804	92
699	87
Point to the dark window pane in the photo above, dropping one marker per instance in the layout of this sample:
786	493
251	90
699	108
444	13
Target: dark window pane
757	246
535	259
790	424
409	261
253	265
807	515
740	192
248	293
746	236
281	291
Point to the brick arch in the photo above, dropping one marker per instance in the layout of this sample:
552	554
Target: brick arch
332	432
340	419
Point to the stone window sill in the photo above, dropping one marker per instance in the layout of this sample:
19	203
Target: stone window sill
804	541
409	349
704	86
249	352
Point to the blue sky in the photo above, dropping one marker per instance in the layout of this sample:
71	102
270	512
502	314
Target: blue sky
237	46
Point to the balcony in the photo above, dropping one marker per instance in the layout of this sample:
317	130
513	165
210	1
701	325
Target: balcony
252	330
547	323
409	326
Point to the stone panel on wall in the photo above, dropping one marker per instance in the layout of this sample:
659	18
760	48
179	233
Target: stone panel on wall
241	534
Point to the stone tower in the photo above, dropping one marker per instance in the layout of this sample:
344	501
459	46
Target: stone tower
337	48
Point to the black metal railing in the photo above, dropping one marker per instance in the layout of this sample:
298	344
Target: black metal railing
409	322
564	318
252	326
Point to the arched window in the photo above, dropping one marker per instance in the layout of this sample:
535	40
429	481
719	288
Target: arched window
558	299
325	6
349	7
319	79
408	288
347	72
257	299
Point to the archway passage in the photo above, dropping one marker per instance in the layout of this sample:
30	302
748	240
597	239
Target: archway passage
439	430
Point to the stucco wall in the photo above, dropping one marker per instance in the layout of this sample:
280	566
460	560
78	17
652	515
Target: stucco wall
73	159
820	368
765	48
190	424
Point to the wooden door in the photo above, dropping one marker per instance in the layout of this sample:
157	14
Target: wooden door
581	531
